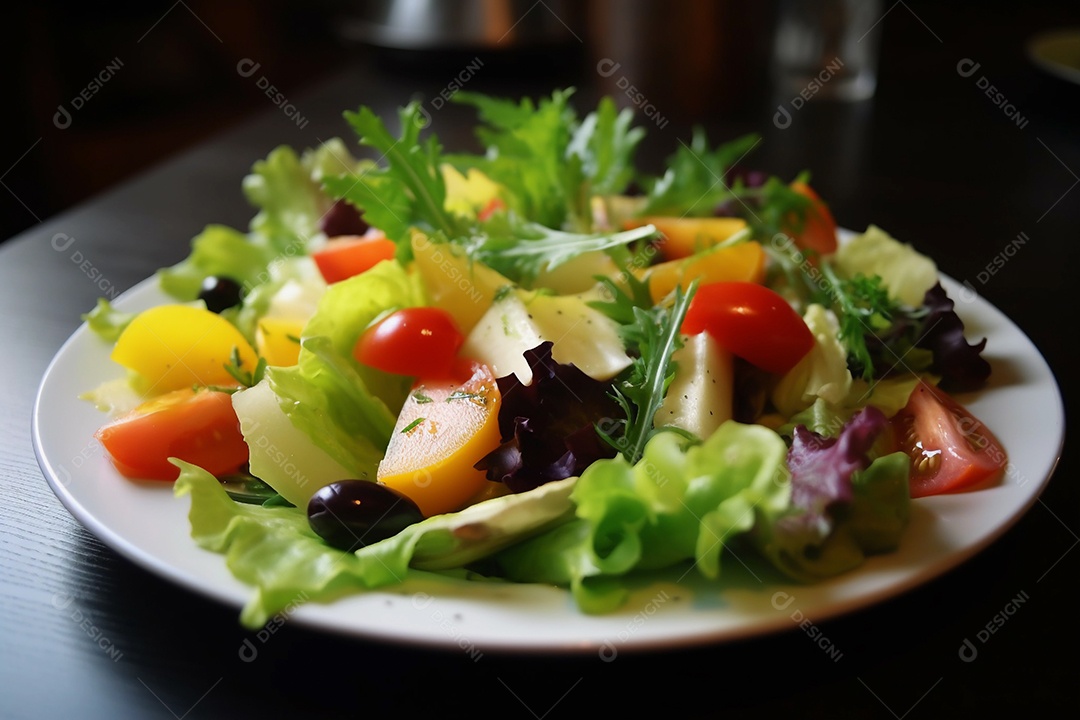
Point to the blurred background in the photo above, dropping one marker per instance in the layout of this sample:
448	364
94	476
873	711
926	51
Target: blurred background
101	92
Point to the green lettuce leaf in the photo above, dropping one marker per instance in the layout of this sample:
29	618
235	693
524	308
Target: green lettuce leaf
346	408
677	504
287	189
822	373
906	273
221	251
274	549
871	523
106	321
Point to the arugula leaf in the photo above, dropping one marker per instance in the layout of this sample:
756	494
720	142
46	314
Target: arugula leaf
606	142
550	163
771	209
526	152
694	182
247	378
521	250
410	190
653	335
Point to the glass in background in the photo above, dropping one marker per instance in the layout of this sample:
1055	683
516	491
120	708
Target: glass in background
827	48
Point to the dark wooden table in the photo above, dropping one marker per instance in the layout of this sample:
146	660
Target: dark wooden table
932	158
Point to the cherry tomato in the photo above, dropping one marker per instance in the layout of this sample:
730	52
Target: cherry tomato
950	449
199	426
416	341
343	257
750	321
818	231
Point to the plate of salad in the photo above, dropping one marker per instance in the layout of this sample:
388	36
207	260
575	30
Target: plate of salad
539	399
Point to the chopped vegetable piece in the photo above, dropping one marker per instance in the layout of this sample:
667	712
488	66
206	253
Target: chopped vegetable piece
198	426
176	346
435	445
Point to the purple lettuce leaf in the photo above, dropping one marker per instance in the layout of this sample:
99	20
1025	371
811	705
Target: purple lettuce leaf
548	427
959	363
821	471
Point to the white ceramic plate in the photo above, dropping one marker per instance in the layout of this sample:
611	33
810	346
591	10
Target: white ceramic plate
144	522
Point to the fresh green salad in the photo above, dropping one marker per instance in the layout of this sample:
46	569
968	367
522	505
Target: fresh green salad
539	364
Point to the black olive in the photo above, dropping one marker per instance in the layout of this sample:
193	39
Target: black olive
343	219
220	293
350	514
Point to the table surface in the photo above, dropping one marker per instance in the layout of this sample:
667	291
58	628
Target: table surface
932	157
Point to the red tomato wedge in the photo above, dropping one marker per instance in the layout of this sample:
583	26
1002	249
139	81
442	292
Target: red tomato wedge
950	449
818	231
343	257
416	341
199	426
752	322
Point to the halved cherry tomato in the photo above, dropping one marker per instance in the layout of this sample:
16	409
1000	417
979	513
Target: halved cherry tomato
199	426
950	449
416	341
818	231
343	257
750	321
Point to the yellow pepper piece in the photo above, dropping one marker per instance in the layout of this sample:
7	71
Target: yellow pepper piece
685	236
744	262
444	429
278	340
176	346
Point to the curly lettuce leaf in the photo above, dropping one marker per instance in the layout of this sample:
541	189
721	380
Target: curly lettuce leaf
676	504
906	273
106	321
274	549
223	252
845	506
547	162
287	189
822	373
